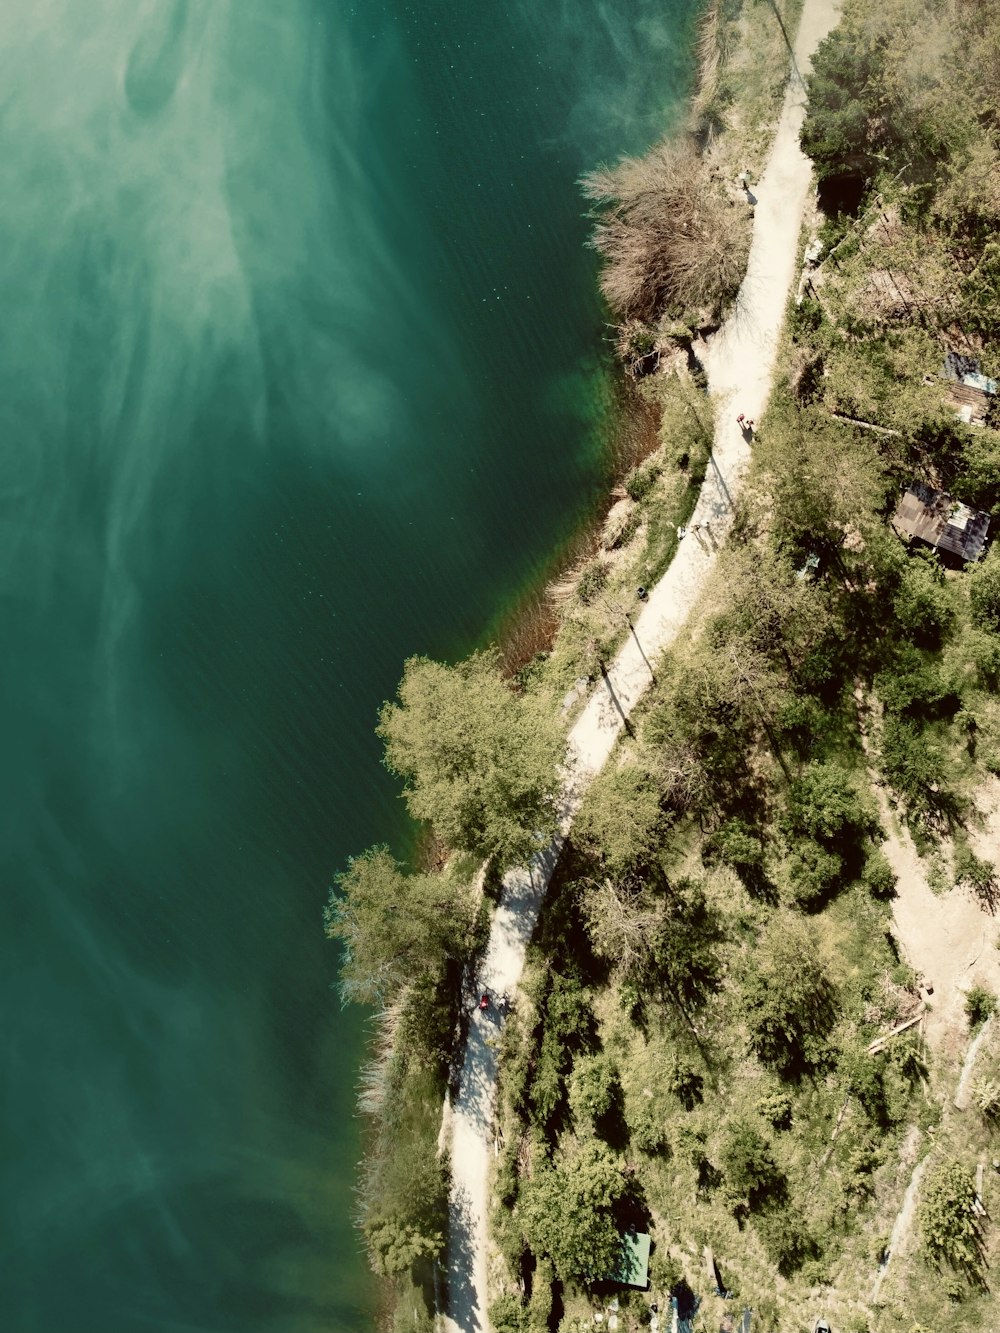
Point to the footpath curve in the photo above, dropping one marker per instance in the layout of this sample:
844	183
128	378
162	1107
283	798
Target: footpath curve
739	361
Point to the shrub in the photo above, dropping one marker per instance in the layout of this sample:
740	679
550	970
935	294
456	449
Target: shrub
507	1314
978	874
776	1109
748	1165
947	1219
878	876
670	237
593	580
980	1005
641	480
593	1087
984	592
986	1095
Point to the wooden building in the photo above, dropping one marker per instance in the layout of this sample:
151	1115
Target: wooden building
934	518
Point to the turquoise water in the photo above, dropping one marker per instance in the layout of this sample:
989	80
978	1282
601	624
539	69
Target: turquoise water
299	373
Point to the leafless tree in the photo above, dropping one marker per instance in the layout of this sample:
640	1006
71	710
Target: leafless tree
671	236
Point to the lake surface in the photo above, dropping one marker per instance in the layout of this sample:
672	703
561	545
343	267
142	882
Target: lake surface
301	372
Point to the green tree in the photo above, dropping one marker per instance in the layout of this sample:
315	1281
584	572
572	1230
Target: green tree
567	1029
787	998
748	1164
824	804
594	1087
479	761
569	1212
839	132
393	926
621	819
984	592
394	1247
922	604
664	945
980	1005
948	1225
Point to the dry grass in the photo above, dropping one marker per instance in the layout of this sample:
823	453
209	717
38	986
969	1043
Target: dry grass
672	237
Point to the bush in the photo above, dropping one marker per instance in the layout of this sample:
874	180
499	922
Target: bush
594	1088
593	580
670	237
749	1167
641	480
980	1005
878	876
776	1109
984	592
978	874
507	1314
947	1220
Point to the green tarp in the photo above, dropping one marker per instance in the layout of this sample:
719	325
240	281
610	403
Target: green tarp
634	1269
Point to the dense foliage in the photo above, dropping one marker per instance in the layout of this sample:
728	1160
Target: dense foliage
480	762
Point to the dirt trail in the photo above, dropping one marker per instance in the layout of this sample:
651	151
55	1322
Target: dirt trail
740	365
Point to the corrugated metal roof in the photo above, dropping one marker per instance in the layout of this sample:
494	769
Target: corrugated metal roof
946	524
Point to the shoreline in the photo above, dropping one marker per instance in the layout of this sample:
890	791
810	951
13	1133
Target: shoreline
741	359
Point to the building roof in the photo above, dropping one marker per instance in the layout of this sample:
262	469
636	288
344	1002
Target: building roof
971	404
935	518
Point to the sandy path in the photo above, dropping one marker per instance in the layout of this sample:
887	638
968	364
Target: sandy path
740	365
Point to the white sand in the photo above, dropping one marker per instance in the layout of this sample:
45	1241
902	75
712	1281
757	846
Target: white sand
740	365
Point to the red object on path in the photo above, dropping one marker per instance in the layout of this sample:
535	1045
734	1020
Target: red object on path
484	1003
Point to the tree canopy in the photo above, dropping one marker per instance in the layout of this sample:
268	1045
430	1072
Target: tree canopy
569	1212
947	1219
480	762
392	924
788	1001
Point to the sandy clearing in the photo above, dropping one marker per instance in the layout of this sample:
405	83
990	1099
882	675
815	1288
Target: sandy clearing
947	938
740	365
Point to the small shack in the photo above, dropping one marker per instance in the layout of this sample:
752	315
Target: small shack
969	391
633	1271
947	525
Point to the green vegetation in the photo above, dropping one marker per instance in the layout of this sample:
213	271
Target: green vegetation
480	761
701	1048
